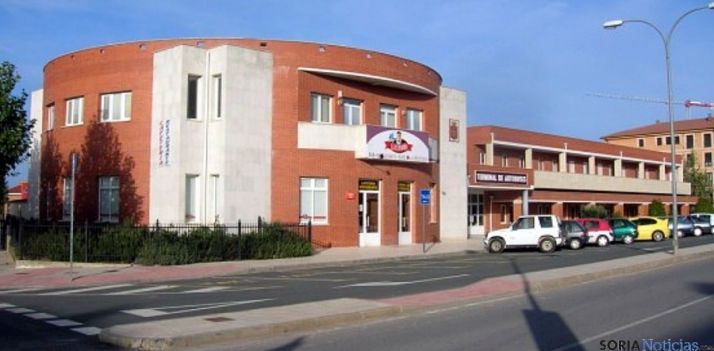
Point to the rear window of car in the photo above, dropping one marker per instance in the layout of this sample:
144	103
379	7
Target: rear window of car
546	222
646	221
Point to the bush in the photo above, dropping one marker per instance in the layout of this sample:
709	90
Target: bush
656	209
704	204
593	211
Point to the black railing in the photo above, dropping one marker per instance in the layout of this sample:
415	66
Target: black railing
123	242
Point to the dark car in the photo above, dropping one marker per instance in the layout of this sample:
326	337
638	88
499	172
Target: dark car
702	225
685	226
576	236
623	230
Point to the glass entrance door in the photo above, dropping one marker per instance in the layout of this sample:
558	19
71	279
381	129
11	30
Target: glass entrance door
476	213
405	218
369	214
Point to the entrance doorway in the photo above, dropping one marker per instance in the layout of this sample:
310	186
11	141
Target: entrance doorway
476	213
369	213
405	213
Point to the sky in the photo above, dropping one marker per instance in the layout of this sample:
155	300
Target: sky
527	64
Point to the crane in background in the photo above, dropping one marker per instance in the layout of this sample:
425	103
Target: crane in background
686	103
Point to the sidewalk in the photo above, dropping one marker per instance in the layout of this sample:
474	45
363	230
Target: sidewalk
31	274
215	328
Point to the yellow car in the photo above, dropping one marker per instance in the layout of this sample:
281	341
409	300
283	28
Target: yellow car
651	228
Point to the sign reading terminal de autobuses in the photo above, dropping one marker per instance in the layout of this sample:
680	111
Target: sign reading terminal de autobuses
397	144
501	178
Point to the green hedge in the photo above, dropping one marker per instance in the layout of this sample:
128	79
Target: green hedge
165	246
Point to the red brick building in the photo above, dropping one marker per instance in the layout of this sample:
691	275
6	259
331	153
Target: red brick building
221	130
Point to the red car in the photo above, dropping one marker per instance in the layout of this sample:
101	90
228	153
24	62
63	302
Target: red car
599	231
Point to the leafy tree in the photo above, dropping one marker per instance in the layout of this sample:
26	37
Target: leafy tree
701	185
15	128
593	211
657	208
704	204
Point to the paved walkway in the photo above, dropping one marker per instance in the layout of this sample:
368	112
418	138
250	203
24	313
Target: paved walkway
57	274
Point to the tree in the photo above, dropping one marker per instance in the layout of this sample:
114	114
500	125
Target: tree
657	208
15	128
593	211
701	185
704	205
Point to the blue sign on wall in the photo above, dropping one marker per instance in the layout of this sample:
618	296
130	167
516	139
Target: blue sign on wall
425	196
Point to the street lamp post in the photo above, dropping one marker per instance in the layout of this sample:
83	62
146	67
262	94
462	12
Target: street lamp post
666	40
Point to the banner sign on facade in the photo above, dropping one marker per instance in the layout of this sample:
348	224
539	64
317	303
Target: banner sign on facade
501	178
404	187
397	144
165	142
369	185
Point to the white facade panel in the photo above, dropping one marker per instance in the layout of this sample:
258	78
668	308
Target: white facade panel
453	171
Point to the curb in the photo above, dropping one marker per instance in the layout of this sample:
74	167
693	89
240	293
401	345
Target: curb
31	264
499	288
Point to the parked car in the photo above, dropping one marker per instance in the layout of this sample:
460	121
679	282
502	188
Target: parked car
651	228
687	225
623	230
705	221
576	236
541	231
599	231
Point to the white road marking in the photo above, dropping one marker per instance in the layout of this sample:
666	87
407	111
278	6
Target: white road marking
168	310
13	291
143	290
64	323
578	344
387	283
89	331
41	315
20	310
6	305
95	288
207	290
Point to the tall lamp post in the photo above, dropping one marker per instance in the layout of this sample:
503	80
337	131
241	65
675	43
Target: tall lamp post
666	40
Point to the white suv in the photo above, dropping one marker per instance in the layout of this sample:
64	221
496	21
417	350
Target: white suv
542	231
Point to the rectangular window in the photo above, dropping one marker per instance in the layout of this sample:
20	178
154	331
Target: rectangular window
571	166
555	166
320	107
313	200
192	98
109	199
352	112
690	141
668	141
116	107
708	140
676	140
414	119
75	108
482	158
66	198
51	116
217	96
641	142
710	177
504	160
659	141
585	167
707	159
191	197
388	116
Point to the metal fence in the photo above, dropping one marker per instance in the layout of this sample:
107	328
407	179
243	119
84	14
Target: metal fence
121	242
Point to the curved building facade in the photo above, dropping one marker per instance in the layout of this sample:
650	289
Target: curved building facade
221	130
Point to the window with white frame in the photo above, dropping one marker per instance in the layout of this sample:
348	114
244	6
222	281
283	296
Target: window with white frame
217	96
109	199
640	142
482	158
74	111
320	107
51	116
116	107
707	159
192	98
504	160
66	198
388	116
414	119
522	162
352	112
707	140
191	198
313	200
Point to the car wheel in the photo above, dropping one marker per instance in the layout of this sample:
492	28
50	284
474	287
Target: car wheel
657	236
496	246
602	241
697	231
546	245
628	239
575	244
680	233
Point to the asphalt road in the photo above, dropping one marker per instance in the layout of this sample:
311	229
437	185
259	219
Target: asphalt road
673	304
89	309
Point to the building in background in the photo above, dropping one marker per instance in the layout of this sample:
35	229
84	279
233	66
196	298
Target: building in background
693	137
221	130
514	172
16	203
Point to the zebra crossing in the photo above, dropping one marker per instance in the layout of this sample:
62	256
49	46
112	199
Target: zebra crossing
120	290
51	319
